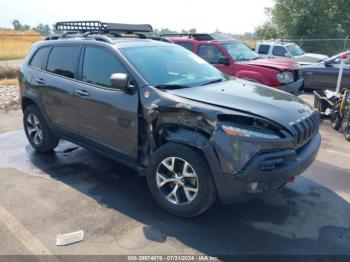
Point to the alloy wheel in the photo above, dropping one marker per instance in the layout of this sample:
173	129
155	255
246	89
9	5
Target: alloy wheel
34	129
177	181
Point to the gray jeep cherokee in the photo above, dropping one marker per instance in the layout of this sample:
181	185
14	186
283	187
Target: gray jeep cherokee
197	134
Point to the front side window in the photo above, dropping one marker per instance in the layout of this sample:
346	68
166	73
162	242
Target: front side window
63	60
279	51
263	49
39	57
239	51
210	53
295	50
99	65
171	65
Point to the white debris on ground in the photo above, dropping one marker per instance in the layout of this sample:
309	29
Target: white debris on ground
9	97
70	238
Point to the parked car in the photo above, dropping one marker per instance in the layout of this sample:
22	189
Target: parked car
234	58
271	49
324	75
166	113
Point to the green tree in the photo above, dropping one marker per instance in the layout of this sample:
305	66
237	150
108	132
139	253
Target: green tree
266	31
43	29
18	26
308	19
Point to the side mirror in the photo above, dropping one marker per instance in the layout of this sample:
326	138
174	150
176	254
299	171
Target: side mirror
224	61
121	81
287	55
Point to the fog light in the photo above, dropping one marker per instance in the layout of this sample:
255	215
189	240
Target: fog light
253	187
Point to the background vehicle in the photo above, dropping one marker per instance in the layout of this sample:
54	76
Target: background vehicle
277	49
324	75
236	59
165	112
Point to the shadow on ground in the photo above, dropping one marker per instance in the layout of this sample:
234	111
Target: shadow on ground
305	218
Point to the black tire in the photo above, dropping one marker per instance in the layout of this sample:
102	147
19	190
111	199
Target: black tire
335	118
49	141
206	194
346	131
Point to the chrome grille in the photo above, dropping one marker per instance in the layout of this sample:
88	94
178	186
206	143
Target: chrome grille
305	128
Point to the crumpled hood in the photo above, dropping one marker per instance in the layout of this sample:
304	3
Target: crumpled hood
310	58
277	63
280	107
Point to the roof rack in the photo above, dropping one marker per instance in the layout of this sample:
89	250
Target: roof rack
101	27
102	31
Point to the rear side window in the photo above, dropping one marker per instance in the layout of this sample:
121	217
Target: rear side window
186	45
264	49
279	51
39	57
99	65
63	60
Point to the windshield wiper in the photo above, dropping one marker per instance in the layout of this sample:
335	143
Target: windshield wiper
213	81
171	86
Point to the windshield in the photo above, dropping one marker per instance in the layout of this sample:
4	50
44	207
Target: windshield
239	51
295	50
171	65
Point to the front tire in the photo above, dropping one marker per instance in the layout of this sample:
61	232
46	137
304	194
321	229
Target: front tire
180	180
37	131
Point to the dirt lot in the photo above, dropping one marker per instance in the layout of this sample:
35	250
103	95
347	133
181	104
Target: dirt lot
42	195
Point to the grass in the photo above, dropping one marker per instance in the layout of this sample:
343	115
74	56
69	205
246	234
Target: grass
7	73
8	82
15	44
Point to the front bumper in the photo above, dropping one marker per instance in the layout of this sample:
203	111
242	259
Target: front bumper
269	169
294	88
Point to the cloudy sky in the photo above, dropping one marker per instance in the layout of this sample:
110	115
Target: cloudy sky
233	16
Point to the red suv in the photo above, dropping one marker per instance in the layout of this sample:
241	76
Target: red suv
235	58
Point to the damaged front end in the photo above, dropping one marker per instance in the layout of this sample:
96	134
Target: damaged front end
247	154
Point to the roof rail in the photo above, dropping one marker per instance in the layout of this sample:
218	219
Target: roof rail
101	27
197	36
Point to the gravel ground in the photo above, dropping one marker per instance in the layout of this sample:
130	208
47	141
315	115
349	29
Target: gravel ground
9	97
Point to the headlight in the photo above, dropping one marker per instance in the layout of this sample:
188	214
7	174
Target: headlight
285	77
247	132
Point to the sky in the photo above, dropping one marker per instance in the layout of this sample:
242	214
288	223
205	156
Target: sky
230	16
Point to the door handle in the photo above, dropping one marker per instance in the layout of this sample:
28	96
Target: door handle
83	93
40	81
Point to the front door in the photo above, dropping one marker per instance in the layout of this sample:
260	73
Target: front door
107	117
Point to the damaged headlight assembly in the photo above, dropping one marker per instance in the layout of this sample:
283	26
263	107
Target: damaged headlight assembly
247	143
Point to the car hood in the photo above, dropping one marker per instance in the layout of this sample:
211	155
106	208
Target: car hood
277	106
310	58
277	63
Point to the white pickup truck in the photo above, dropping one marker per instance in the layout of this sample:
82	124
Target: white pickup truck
271	49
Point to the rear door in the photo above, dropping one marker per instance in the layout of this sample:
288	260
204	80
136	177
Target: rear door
263	50
59	81
107	117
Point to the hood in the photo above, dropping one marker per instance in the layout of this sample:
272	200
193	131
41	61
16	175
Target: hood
310	58
281	64
277	106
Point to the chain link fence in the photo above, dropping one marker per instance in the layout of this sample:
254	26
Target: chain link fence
328	47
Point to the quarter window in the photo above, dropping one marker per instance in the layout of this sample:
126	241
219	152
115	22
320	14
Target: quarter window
186	45
99	65
279	51
210	53
39	57
63	60
264	49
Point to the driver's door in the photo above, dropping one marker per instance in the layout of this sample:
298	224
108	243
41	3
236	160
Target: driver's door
212	54
107	117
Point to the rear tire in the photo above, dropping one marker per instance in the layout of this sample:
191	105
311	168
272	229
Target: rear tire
37	131
180	180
